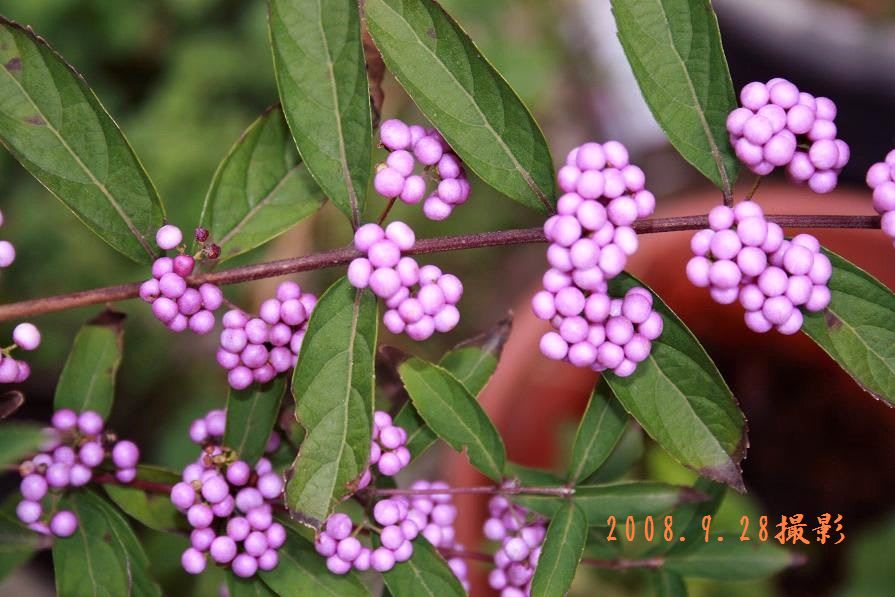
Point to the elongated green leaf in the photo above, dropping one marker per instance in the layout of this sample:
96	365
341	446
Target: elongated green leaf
472	363
731	559
674	48
17	542
319	63
333	388
247	587
88	378
153	509
680	399
688	518
251	414
103	557
600	430
667	584
473	107
425	573
260	190
18	440
531	477
627	453
302	573
561	552
857	329
599	502
56	127
449	410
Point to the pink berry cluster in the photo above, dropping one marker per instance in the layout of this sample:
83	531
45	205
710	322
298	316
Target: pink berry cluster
256	349
76	445
27	337
388	448
174	302
7	250
599	331
396	178
881	179
743	256
420	300
229	505
520	533
402	519
778	125
591	239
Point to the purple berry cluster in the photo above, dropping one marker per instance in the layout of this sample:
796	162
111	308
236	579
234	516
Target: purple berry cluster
229	504
174	302
743	256
27	337
396	178
520	533
76	445
590	241
418	312
256	349
778	125
402	519
599	331
881	179
7	250
388	448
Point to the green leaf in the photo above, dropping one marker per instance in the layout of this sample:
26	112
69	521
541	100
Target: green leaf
18	440
472	363
561	552
857	329
531	477
680	399
674	48
153	509
333	388
599	502
56	127
251	414
470	103
18	543
626	454
303	573
87	381
319	64
688	518
247	587
425	573
454	415
600	430
103	557
260	190
667	584
730	560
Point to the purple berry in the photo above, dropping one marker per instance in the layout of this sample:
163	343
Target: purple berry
64	523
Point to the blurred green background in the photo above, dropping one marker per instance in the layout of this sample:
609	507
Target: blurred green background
184	77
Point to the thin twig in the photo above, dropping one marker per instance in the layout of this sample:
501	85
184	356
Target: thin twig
619	564
441	244
485	489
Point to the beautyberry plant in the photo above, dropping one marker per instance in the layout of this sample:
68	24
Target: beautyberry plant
309	478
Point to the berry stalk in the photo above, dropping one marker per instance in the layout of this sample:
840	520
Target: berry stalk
343	256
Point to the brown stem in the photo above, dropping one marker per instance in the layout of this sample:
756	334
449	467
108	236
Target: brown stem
485	489
441	244
620	564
